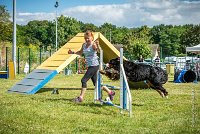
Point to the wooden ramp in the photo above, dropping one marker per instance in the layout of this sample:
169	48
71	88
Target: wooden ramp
58	61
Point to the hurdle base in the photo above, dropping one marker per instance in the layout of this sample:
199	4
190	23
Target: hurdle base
55	91
109	103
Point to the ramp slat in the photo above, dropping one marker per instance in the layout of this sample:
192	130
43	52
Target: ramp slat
77	40
38	75
33	81
30	82
21	88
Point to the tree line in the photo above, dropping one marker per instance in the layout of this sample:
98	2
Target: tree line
172	39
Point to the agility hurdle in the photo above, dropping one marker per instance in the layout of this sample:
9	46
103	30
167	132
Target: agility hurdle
4	74
125	94
10	73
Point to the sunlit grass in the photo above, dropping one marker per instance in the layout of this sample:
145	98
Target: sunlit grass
45	112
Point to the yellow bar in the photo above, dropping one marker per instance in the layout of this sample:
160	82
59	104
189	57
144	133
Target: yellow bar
11	70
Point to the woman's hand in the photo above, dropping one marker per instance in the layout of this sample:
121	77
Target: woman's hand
96	45
70	51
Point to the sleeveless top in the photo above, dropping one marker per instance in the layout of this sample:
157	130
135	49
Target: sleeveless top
90	55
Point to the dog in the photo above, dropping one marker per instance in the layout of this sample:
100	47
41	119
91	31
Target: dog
136	72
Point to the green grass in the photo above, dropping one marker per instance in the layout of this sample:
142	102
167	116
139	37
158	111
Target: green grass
56	113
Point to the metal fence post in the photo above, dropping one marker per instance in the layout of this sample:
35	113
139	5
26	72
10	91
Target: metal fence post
18	60
6	58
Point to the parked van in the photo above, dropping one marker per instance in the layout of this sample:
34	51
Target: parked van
170	59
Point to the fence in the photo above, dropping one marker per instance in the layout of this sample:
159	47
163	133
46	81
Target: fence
31	56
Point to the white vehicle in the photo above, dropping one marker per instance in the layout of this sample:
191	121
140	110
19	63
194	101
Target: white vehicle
170	59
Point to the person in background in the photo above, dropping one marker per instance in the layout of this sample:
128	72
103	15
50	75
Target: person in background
157	61
187	65
198	70
90	49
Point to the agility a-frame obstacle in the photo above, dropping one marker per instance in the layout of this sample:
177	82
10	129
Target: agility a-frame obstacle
40	76
125	94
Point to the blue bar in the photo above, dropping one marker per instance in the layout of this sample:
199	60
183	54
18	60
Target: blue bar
124	95
99	87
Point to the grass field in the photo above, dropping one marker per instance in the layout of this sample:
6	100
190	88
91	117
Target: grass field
55	113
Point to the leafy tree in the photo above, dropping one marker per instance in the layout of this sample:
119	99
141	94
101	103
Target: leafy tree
139	47
5	25
118	35
88	26
136	42
38	31
191	36
67	28
4	15
169	38
21	35
107	29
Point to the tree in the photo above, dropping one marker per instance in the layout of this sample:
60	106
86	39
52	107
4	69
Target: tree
118	35
67	28
4	15
136	42
5	25
169	38
191	36
107	30
88	26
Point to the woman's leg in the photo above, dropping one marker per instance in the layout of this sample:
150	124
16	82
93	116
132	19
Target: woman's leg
111	93
89	74
94	76
106	89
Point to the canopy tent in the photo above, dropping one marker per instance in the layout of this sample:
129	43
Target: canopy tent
194	49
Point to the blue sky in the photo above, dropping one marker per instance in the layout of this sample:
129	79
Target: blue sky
129	13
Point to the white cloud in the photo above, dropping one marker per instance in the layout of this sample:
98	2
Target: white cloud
134	14
157	4
98	13
24	18
158	17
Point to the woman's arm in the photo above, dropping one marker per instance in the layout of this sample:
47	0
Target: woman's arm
80	52
96	46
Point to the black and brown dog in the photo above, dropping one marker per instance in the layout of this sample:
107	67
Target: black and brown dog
136	72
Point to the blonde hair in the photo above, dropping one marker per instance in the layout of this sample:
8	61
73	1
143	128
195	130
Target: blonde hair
89	33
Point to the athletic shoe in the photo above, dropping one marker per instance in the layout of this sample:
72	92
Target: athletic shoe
111	95
78	100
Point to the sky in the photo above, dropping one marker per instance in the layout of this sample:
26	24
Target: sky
128	13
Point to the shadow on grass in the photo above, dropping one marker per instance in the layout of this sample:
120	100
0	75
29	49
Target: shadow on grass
90	104
93	108
60	99
71	100
67	88
138	105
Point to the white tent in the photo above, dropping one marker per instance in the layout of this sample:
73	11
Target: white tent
194	49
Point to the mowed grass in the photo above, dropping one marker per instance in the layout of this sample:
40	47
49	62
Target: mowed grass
45	112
